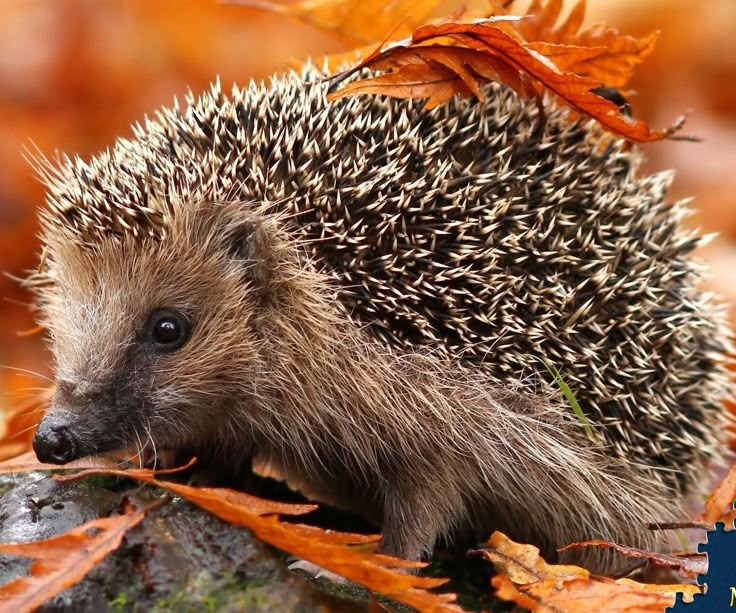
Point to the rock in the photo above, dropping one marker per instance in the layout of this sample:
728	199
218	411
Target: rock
178	558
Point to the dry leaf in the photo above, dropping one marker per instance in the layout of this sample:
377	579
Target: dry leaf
585	595
223	502
720	504
458	58
526	579
523	564
619	53
688	566
326	549
27	462
63	560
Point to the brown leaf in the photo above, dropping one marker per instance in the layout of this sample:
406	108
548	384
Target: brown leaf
63	560
615	66
366	22
523	564
340	538
688	567
223	502
27	462
720	504
619	55
328	550
526	579
585	595
441	60
432	81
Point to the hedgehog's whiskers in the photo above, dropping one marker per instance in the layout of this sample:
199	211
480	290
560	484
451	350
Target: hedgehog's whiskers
24	371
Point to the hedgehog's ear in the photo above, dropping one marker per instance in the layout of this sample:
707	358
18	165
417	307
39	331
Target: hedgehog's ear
249	243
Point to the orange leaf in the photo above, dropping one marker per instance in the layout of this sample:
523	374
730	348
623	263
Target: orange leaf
688	566
622	54
63	560
223	502
719	506
565	57
523	563
585	595
431	66
362	21
619	54
342	538
526	579
434	82
28	461
327	550
507	590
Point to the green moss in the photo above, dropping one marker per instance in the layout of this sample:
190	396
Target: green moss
121	602
207	593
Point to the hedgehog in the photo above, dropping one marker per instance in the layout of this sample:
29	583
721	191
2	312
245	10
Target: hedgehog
367	296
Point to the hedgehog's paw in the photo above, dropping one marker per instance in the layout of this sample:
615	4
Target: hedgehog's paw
317	572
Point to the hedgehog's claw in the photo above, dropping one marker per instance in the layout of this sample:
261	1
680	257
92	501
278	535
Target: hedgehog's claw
317	572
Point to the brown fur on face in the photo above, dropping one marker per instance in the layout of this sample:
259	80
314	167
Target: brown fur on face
97	308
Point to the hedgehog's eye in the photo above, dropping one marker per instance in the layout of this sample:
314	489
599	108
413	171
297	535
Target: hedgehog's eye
168	330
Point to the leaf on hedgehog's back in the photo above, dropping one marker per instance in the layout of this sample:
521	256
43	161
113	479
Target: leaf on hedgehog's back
63	560
365	22
333	551
619	54
439	61
526	579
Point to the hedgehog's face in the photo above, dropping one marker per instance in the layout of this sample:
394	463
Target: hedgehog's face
153	342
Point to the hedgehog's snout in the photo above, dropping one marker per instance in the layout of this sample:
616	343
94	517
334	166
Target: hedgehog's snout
75	425
55	442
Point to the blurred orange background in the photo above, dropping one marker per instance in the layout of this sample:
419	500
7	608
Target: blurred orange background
75	73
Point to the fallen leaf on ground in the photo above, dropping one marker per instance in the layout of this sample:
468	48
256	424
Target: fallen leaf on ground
525	578
63	560
585	595
27	461
328	549
523	564
223	502
689	566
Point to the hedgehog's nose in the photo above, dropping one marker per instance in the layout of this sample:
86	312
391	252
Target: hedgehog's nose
54	442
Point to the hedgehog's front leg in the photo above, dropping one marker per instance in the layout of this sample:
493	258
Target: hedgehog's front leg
415	515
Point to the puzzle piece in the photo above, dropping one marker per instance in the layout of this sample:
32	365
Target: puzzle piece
720	594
